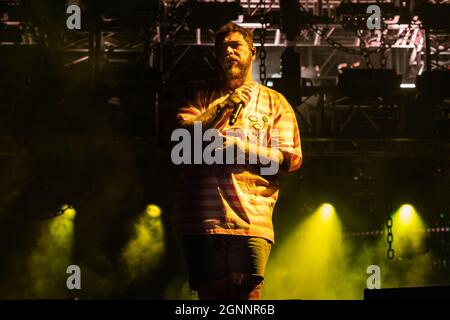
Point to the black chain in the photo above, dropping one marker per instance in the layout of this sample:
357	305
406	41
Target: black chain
390	238
262	40
332	42
321	34
363	49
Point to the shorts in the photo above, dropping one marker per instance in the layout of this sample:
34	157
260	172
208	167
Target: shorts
214	257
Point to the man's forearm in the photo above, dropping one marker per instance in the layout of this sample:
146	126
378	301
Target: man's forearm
209	119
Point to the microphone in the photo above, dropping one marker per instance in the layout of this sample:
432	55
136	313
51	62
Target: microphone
236	111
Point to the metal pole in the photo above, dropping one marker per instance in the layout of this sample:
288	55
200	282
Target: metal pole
427	49
95	41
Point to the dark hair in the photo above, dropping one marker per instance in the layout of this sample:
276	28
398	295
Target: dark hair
233	27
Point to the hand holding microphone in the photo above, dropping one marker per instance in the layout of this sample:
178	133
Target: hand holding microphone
235	114
238	100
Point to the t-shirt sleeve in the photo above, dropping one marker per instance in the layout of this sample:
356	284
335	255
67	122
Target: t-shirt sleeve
286	136
189	103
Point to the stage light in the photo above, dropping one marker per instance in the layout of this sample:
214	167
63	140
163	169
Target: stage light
314	257
52	253
406	213
408	229
61	226
153	211
145	249
326	211
69	211
408	85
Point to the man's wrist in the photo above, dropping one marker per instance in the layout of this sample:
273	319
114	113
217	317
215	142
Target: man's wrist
220	107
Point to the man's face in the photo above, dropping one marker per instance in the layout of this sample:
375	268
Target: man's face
235	56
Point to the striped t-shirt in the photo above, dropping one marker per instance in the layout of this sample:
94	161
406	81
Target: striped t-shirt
236	199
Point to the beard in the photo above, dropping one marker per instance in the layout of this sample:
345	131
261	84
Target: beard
237	69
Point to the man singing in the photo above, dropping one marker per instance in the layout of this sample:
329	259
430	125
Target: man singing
223	212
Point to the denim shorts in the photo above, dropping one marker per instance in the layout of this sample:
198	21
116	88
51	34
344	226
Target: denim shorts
214	257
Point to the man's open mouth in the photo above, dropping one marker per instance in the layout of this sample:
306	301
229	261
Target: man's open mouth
230	60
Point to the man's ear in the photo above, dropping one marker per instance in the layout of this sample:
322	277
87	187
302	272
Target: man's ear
254	52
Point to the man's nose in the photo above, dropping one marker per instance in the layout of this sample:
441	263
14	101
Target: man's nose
229	49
